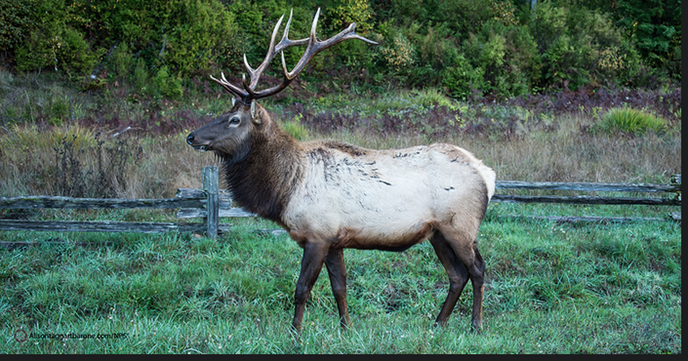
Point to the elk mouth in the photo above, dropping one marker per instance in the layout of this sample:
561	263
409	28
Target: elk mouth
190	140
201	147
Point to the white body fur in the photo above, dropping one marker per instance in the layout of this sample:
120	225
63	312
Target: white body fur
385	196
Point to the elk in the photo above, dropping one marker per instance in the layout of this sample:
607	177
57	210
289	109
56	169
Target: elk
330	195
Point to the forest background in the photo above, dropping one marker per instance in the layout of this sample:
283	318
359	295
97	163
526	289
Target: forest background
467	48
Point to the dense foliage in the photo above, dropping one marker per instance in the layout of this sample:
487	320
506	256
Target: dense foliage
468	47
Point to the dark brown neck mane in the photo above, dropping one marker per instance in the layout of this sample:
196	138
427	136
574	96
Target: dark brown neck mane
262	181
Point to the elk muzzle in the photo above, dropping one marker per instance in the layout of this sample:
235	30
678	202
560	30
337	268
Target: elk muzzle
190	140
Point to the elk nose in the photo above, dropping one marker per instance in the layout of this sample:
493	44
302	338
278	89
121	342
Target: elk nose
190	139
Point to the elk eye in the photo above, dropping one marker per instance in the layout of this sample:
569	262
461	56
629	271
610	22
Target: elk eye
234	120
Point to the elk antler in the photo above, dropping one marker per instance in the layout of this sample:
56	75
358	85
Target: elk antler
249	92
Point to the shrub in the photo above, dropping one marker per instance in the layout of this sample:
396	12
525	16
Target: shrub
515	50
581	47
199	32
74	54
463	16
52	42
631	121
654	27
462	79
141	75
295	128
36	53
14	23
398	55
508	56
122	61
436	50
168	85
345	12
60	110
101	176
252	26
187	36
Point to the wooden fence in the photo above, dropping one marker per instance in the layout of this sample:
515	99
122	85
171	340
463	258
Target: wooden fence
205	200
212	203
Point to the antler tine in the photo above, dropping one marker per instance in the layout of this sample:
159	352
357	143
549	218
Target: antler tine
233	89
313	47
313	26
285	42
272	51
255	74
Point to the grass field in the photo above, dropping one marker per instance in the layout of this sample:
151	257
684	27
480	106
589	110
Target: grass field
550	287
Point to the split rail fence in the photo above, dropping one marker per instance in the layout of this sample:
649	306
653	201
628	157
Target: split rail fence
212	203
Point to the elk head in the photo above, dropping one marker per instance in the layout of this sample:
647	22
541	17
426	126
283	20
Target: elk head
228	134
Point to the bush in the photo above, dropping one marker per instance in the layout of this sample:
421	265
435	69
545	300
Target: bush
74	55
37	52
122	61
501	48
631	121
463	16
654	27
295	127
53	42
397	55
436	51
508	55
14	23
76	177
168	85
581	47
187	36
345	12
141	76
462	80
200	31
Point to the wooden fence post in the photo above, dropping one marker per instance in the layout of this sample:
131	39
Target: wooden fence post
211	188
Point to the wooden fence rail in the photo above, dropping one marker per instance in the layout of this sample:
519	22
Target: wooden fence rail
212	203
206	198
673	188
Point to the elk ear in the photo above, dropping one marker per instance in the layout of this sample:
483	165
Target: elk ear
253	112
233	101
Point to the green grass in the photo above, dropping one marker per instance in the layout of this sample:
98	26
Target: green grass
551	288
630	120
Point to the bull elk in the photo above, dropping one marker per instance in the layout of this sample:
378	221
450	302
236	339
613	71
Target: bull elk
329	195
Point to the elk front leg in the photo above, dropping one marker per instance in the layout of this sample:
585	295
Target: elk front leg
337	271
311	264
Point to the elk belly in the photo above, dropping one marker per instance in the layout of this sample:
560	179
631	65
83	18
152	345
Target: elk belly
397	240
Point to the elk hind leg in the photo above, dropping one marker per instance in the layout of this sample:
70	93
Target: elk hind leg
464	245
478	283
337	272
458	275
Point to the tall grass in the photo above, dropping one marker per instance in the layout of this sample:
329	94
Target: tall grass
630	120
34	159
